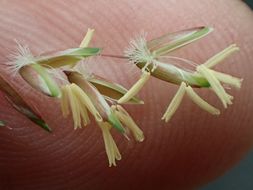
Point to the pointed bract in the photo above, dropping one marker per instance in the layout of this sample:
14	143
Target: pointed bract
112	91
172	41
2	123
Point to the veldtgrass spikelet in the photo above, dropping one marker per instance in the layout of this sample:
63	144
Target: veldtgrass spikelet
96	96
150	55
145	55
24	62
214	78
111	117
19	103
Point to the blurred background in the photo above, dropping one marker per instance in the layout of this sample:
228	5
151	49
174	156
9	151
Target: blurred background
241	176
250	3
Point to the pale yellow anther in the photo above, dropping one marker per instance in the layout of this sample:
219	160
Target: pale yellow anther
215	84
221	56
85	100
74	108
83	113
111	148
75	98
135	88
86	40
64	101
68	98
200	102
127	121
177	99
228	79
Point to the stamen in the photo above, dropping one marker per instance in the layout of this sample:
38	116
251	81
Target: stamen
228	79
221	56
127	120
85	100
75	108
177	99
64	101
135	88
79	103
84	116
200	102
96	98
86	40
111	148
215	84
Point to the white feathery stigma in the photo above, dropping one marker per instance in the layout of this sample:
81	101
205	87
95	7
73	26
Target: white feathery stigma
138	52
20	58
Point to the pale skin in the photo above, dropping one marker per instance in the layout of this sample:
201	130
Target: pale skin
189	151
